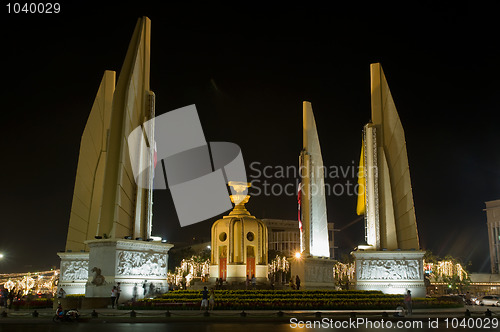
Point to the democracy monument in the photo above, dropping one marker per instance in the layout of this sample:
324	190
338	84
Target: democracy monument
109	237
390	260
313	265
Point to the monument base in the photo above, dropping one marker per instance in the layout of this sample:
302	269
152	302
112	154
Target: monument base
139	266
74	272
314	272
392	272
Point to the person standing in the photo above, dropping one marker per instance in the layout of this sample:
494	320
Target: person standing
113	297
204	298
62	293
151	289
5	296
212	299
134	293
11	297
254	281
468	299
408	302
297	282
118	292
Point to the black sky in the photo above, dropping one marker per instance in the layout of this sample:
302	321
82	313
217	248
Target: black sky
248	69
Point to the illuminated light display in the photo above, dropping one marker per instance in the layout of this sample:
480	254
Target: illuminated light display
343	271
43	282
447	268
190	269
279	264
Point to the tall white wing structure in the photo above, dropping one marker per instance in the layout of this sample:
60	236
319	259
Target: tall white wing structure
88	191
107	201
313	202
390	213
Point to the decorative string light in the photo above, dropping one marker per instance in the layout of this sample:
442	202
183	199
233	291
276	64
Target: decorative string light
445	269
190	269
342	271
279	264
44	282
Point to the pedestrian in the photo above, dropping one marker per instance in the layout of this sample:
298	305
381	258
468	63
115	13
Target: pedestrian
291	284
204	298
134	293
297	282
468	299
118	292
212	299
216	283
247	282
254	281
145	287
11	298
113	297
61	294
408	302
151	289
5	296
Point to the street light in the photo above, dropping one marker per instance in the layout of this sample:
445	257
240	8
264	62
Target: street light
1	255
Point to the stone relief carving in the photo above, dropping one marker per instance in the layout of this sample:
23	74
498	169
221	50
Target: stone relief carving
389	269
318	273
141	264
75	270
98	279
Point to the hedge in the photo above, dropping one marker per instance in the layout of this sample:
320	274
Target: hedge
287	299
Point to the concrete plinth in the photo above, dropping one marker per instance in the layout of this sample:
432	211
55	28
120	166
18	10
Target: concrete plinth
314	273
136	265
392	272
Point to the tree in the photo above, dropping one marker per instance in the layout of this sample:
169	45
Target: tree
448	270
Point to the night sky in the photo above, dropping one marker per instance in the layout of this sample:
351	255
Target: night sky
248	69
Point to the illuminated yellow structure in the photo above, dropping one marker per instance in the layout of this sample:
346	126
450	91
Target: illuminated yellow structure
390	259
390	213
239	243
106	199
111	215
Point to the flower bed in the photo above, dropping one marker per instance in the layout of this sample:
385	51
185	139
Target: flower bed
287	300
33	304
